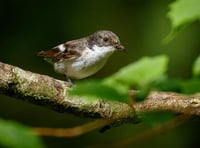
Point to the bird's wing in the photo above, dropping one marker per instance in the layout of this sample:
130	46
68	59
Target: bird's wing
66	51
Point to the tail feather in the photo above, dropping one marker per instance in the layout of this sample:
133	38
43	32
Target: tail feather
41	53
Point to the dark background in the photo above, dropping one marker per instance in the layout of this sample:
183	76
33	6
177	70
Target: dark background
29	26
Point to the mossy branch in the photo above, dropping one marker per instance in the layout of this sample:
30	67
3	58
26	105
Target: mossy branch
47	91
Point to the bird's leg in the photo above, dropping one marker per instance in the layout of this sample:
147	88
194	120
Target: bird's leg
69	81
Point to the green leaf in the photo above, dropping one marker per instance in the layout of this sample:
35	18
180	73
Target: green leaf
116	86
191	86
96	89
15	135
143	92
184	11
181	14
169	84
142	72
196	67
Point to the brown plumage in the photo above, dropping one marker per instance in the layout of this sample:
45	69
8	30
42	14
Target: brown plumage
83	57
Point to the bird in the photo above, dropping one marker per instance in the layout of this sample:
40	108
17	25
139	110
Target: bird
81	58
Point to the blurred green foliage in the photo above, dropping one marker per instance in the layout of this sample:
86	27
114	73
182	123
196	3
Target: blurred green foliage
116	86
182	13
196	67
15	135
142	72
30	26
95	89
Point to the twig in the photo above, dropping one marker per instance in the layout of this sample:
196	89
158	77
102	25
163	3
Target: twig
168	101
71	132
147	134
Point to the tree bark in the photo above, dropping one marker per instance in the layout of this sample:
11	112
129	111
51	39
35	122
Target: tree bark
47	91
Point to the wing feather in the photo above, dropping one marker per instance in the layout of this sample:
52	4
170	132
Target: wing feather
70	50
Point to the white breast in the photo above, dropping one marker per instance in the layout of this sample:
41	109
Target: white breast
87	64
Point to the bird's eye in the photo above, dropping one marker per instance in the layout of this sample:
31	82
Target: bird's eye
105	39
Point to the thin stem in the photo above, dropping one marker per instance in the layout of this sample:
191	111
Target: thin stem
71	132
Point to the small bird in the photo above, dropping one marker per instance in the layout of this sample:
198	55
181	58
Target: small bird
81	58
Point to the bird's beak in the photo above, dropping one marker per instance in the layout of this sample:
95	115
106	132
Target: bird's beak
119	47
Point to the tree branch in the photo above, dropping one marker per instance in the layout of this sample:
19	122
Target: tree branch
168	101
47	91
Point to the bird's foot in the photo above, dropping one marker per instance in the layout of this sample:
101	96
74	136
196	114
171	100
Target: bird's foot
69	81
